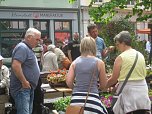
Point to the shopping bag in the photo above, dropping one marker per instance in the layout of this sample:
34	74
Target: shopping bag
66	63
74	110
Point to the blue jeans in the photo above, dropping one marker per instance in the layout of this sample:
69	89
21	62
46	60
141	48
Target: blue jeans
24	101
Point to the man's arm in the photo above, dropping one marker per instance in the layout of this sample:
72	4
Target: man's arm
16	67
106	51
69	55
70	76
69	51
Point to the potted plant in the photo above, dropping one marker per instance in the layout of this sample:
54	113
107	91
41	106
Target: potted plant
150	94
57	78
106	99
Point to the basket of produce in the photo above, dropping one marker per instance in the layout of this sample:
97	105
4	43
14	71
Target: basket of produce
57	78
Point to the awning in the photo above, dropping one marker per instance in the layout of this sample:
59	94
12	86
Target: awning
143	31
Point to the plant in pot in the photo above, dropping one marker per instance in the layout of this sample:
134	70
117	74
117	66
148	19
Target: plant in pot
61	104
150	94
106	99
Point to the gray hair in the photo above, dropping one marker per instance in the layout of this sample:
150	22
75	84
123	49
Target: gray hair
123	36
32	32
51	47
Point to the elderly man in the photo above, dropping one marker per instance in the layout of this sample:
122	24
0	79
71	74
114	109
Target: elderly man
4	77
25	72
50	59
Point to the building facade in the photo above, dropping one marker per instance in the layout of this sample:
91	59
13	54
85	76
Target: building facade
56	19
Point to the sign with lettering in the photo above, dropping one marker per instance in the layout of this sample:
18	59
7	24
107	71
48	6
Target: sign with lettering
37	15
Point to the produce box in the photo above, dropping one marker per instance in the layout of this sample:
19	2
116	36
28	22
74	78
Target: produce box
57	78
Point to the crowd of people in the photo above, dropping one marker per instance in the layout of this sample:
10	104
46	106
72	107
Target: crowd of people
31	56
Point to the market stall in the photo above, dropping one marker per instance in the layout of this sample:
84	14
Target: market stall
56	81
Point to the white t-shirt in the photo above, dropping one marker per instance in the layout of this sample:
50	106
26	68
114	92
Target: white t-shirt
148	46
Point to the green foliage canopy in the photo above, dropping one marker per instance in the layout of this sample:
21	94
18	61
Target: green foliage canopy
109	9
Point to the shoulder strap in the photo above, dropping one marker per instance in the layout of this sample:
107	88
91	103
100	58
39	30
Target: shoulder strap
128	75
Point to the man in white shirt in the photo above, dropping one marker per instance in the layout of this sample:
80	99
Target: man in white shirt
148	45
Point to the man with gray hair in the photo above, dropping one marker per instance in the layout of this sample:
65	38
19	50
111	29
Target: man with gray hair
25	72
50	59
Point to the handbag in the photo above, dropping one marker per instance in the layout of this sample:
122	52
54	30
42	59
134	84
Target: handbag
80	109
74	110
66	63
115	97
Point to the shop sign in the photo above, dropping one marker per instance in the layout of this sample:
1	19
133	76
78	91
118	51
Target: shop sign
37	15
11	40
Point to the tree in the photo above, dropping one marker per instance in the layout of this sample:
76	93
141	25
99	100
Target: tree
110	9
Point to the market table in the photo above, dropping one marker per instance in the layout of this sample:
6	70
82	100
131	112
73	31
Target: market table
48	89
63	90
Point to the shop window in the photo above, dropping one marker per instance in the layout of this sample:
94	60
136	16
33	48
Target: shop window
98	0
4	25
58	26
11	33
14	24
131	2
42	25
22	24
62	33
62	26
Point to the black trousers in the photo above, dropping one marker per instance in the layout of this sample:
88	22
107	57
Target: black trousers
38	99
139	112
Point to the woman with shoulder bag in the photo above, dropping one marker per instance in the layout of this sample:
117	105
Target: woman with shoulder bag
134	98
85	72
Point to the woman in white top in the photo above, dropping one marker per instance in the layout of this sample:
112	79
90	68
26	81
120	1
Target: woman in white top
134	97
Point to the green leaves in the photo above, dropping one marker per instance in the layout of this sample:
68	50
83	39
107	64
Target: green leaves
106	11
62	103
72	1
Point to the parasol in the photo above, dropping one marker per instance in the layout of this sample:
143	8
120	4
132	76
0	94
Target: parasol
144	31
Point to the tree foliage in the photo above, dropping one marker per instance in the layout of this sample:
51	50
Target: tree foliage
106	11
72	1
110	29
